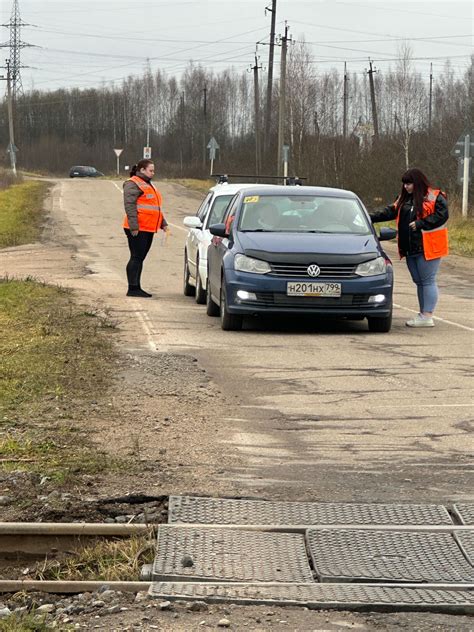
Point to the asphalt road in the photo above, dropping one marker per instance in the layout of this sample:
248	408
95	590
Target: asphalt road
316	410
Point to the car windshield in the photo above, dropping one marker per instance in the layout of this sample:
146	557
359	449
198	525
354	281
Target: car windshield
302	214
218	209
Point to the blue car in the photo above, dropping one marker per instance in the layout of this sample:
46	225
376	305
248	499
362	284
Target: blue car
298	251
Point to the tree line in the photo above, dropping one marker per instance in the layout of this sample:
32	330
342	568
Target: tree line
56	129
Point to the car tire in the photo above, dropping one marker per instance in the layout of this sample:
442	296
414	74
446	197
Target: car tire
380	325
200	291
211	308
229	322
188	289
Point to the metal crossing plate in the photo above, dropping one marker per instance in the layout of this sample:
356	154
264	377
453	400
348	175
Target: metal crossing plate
387	556
323	596
466	542
465	512
230	555
188	509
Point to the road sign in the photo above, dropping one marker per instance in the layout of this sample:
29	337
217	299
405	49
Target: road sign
147	153
212	145
458	149
118	152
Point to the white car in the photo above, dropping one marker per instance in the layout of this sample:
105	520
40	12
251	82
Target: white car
199	238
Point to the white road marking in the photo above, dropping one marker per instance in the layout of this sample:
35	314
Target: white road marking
117	187
145	323
442	320
178	227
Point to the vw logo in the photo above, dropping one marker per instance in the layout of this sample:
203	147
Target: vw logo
313	270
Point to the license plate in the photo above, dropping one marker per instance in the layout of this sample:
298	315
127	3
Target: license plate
310	288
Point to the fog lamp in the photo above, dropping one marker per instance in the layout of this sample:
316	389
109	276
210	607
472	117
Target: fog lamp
246	296
377	298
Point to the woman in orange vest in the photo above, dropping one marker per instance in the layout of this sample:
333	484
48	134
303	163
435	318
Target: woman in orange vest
421	212
143	219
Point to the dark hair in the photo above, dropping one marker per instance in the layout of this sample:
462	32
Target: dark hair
420	187
141	164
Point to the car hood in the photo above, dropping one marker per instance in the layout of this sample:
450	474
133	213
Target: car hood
303	246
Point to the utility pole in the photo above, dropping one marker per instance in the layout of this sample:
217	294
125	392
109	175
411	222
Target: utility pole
281	106
431	97
344	113
268	103
15	44
181	132
374	105
204	125
11	145
255	69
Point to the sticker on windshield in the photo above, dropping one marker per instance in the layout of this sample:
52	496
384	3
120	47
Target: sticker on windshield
251	199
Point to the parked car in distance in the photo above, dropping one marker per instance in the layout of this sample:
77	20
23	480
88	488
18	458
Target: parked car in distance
211	211
298	251
82	171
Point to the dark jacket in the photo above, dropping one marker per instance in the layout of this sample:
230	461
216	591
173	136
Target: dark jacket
131	193
410	242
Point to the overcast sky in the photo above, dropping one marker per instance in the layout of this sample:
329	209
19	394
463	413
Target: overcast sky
85	42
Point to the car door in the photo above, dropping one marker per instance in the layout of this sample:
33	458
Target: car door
195	235
218	248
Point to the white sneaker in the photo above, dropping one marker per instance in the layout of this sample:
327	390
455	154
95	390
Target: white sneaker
420	321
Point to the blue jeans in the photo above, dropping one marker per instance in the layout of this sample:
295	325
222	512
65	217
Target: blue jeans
424	273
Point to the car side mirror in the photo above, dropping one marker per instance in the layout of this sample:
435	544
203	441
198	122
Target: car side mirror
387	233
192	222
218	230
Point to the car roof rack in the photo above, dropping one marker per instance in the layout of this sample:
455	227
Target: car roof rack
223	178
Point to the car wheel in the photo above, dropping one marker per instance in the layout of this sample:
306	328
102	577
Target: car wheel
229	322
380	325
211	308
200	291
188	289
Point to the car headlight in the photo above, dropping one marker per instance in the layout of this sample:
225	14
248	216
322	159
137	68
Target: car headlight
372	268
242	263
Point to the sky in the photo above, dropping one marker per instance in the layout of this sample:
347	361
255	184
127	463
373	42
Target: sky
84	43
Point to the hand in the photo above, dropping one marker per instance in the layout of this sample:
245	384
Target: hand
134	233
412	225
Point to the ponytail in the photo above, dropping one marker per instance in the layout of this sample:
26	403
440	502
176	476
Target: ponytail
133	170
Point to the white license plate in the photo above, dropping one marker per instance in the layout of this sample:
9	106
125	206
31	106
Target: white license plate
310	288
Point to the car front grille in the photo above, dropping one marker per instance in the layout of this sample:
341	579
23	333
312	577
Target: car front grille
277	299
299	270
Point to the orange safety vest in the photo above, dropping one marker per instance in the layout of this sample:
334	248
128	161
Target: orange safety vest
150	217
435	241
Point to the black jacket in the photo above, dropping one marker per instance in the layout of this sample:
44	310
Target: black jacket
410	242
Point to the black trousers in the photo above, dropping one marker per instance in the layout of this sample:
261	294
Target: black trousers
139	247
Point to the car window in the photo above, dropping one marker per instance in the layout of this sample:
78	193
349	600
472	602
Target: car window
218	209
202	210
230	212
302	214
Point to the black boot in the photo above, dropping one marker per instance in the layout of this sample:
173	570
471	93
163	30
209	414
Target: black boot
138	292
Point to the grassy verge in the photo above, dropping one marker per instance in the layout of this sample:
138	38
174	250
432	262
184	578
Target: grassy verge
105	560
54	355
21	213
202	186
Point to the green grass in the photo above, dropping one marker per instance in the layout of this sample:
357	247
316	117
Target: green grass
29	623
105	560
54	356
21	207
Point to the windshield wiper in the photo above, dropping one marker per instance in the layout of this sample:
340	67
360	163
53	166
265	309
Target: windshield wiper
256	230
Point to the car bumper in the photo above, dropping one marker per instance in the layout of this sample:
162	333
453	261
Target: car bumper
270	296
